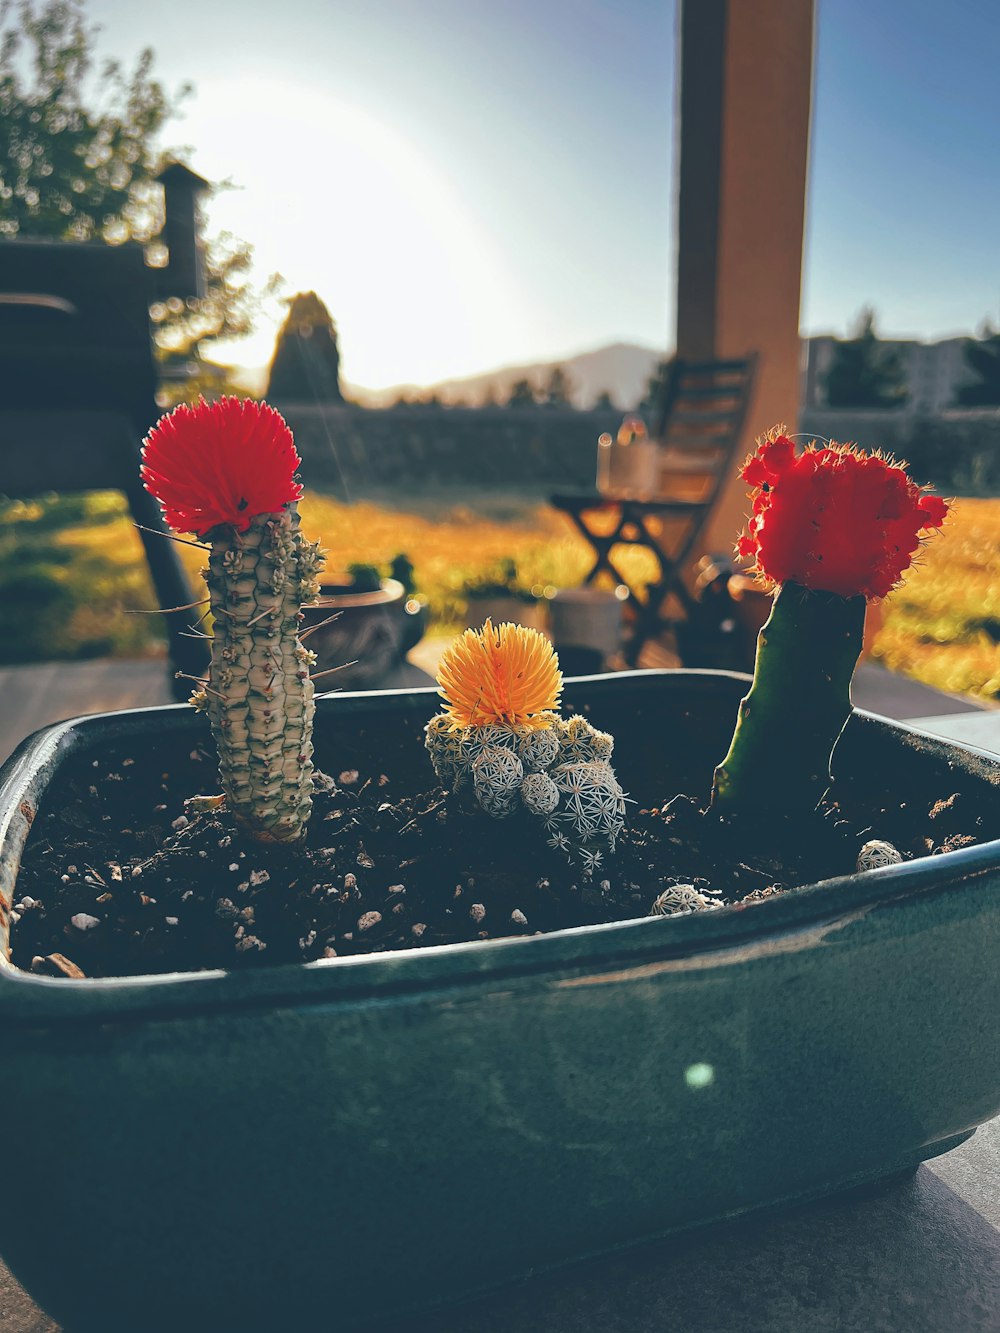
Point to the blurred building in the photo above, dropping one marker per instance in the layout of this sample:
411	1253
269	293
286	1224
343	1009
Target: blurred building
934	371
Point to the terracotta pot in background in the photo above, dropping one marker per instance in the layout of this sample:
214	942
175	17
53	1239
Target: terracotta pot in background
586	625
500	610
371	634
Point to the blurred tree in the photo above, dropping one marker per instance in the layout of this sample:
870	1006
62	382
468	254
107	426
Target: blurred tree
982	357
78	161
401	569
521	394
864	372
603	401
656	390
557	388
305	367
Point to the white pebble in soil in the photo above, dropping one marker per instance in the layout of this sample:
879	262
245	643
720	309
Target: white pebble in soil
250	942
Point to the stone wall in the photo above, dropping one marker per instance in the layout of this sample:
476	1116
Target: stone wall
958	451
349	450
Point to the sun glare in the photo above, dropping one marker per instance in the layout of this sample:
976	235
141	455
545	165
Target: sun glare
353	210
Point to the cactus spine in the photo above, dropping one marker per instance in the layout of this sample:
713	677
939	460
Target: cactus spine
259	697
798	704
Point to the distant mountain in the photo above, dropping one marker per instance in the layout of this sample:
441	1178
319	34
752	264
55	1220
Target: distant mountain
623	369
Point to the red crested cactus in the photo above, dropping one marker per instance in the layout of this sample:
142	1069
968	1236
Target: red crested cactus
833	518
225	471
220	463
831	528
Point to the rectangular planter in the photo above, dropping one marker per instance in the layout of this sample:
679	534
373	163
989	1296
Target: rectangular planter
334	1143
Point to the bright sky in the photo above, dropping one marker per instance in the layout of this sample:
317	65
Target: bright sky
471	184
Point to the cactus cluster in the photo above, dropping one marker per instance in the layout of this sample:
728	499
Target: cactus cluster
529	759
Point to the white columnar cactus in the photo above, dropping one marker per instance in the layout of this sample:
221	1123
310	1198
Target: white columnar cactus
225	472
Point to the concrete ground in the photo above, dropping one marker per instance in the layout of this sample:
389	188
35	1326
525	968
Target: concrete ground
922	1257
45	692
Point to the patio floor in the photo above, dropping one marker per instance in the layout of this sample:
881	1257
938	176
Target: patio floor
46	692
920	1257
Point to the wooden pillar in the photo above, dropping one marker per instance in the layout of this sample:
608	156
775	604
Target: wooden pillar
745	89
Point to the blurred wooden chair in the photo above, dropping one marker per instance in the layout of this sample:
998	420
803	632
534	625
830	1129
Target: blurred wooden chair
697	431
77	396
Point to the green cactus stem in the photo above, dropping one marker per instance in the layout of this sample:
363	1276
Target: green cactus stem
800	699
259	697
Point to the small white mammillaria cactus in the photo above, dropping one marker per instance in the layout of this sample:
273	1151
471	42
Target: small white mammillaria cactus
500	728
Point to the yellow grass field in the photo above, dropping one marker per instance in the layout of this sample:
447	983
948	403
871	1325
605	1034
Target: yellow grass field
943	625
71	567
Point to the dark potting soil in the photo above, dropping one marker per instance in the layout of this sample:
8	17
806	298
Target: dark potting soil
118	880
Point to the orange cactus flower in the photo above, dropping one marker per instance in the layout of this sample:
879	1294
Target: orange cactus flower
507	674
220	463
833	518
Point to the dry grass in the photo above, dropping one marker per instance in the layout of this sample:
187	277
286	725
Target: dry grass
70	568
943	625
452	544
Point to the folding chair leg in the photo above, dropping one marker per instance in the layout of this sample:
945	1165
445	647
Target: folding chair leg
172	587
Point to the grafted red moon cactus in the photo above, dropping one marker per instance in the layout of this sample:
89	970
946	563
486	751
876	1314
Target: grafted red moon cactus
831	529
834	519
225	471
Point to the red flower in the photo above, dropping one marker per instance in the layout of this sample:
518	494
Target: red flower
222	462
833	518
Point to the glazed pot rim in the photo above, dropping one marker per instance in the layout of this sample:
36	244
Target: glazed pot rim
388	592
578	955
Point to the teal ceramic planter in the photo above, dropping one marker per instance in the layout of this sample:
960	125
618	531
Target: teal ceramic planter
332	1144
